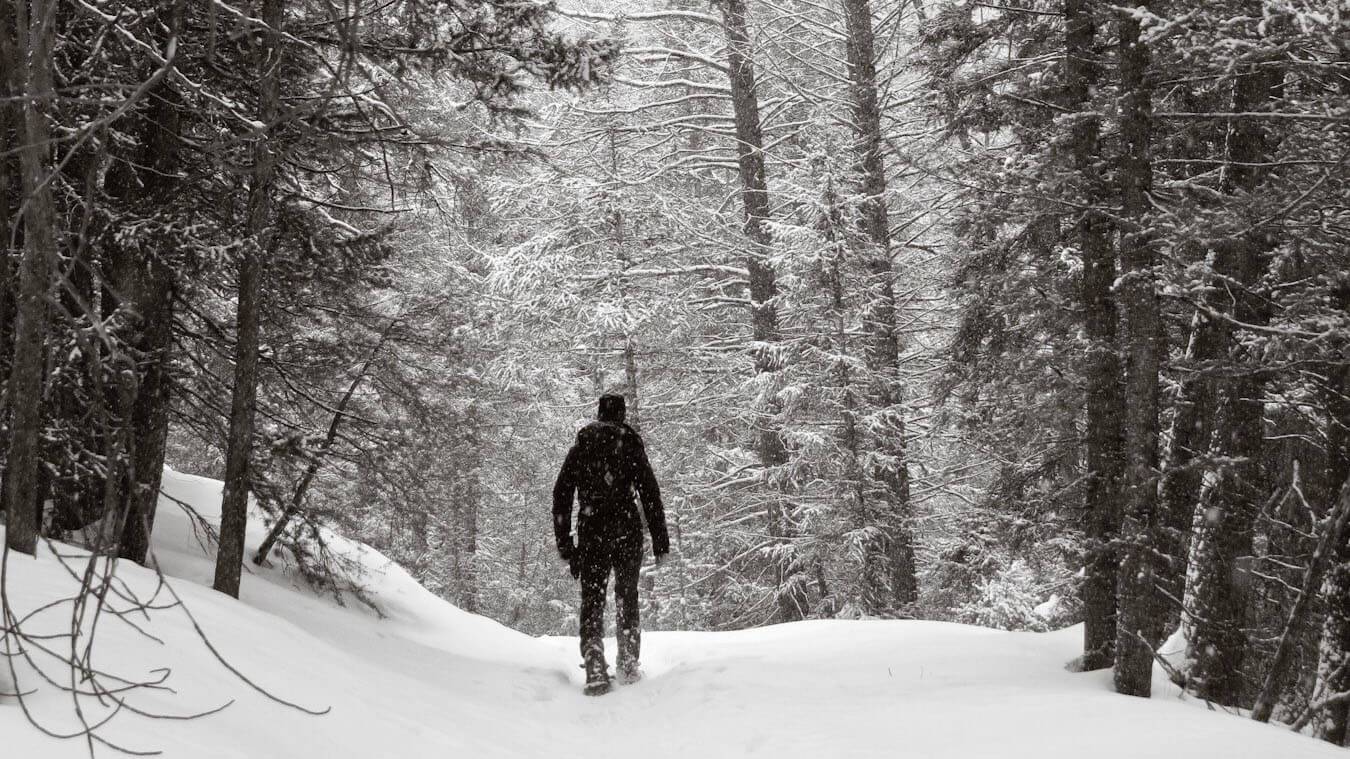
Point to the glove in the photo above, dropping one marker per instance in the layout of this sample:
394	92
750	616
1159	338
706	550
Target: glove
574	564
661	559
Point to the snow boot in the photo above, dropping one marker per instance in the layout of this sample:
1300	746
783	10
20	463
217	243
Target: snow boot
630	671
597	677
630	640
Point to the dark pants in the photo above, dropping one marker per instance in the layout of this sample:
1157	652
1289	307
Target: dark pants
624	559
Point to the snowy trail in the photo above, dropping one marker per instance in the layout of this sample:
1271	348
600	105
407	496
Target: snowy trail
433	681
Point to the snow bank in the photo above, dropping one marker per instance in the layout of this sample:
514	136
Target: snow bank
412	612
433	681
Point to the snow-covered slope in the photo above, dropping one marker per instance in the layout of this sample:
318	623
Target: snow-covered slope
433	681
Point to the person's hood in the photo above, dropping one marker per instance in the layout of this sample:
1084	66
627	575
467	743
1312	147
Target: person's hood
612	408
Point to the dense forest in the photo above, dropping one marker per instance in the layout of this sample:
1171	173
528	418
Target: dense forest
1019	313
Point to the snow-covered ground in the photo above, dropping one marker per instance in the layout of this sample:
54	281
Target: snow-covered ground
430	680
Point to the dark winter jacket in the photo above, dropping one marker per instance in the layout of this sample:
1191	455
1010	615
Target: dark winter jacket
606	467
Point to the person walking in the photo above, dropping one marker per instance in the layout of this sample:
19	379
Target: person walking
605	468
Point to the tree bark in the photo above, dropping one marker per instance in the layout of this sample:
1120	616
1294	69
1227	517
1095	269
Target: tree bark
1188	441
469	597
1333	665
148	286
886	436
9	135
1220	593
755	200
630	375
243	402
1104	446
871	591
792	600
11	131
153	295
34	35
1139	617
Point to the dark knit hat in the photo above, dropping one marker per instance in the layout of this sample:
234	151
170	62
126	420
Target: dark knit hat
612	408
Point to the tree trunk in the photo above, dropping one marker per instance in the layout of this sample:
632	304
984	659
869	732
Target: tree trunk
1333	666
630	376
871	591
755	200
1139	617
885	436
1103	443
9	194
1219	593
149	288
1218	640
871	581
1183	472
234	500
10	134
792	601
153	295
34	35
469	595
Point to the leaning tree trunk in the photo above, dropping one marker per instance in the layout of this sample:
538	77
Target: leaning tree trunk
1218	640
297	503
243	402
33	34
886	435
1105	405
1140	615
792	600
1334	534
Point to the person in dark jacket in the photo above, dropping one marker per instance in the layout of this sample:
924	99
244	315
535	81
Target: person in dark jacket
605	468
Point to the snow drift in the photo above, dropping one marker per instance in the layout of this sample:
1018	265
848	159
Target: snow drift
429	680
